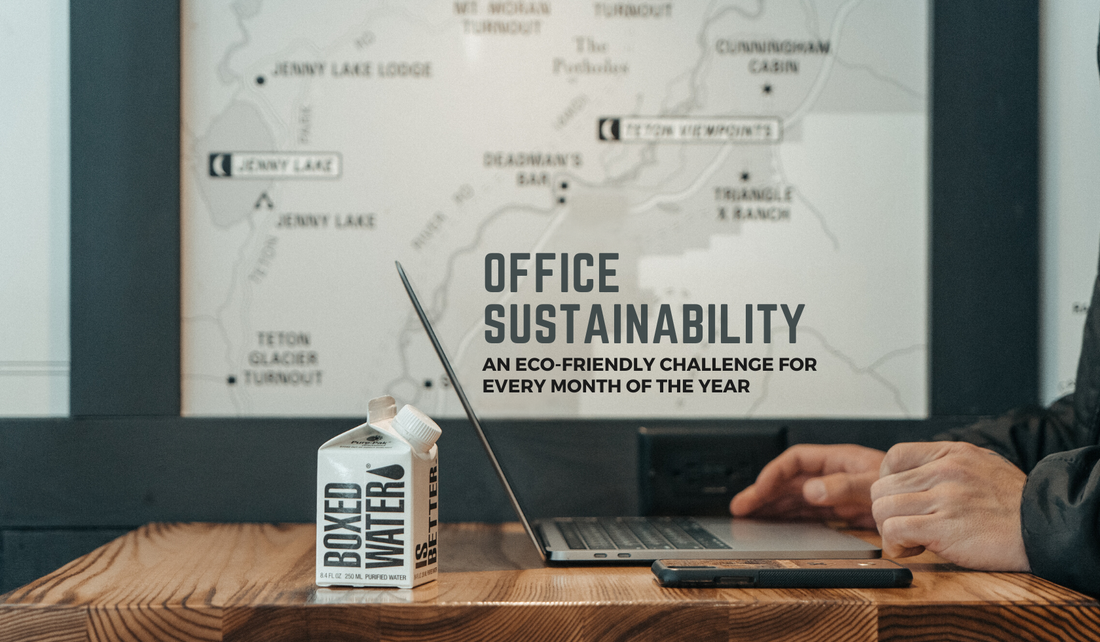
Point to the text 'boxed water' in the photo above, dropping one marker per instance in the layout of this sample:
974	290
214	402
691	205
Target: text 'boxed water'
378	501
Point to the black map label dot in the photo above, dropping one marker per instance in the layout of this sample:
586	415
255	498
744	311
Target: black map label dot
260	80
231	380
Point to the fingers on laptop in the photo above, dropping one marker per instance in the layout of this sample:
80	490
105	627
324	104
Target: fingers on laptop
811	476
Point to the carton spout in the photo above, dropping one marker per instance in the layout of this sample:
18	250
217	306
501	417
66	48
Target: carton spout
380	409
417	428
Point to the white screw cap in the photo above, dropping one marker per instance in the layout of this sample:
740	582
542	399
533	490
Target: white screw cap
417	428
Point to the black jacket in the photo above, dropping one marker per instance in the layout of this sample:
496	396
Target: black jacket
1059	448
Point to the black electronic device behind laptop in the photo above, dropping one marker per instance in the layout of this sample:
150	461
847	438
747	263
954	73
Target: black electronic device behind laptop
634	540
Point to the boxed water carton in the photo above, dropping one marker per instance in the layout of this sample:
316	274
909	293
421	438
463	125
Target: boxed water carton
378	501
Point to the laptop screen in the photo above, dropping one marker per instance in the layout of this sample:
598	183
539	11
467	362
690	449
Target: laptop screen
467	407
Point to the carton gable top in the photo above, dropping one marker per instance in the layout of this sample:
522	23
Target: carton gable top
380	412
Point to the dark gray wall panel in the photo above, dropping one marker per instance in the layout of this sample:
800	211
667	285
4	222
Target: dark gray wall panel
985	199
125	208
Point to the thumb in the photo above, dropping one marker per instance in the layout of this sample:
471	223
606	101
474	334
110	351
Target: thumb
839	488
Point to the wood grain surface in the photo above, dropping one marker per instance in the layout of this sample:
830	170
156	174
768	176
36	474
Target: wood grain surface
255	582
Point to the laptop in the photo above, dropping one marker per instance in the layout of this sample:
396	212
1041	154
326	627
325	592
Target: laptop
638	540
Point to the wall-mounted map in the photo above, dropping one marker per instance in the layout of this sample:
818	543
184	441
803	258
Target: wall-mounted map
609	208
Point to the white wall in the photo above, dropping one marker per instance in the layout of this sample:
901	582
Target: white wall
34	207
1069	86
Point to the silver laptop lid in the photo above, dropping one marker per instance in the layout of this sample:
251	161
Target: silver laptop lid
468	408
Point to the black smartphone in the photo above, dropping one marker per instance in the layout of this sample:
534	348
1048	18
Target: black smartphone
859	573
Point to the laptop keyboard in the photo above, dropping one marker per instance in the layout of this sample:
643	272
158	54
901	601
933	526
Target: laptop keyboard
637	533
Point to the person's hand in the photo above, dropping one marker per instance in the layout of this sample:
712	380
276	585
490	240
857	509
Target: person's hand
814	482
955	499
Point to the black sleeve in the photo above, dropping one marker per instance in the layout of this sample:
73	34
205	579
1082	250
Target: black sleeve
1060	516
1024	436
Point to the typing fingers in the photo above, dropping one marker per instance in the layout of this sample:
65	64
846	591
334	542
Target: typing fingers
785	475
773	499
839	489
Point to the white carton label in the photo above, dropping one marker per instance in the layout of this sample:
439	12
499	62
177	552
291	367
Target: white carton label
377	509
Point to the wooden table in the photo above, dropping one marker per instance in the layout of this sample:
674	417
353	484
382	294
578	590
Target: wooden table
255	582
